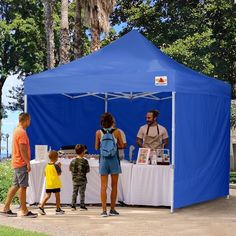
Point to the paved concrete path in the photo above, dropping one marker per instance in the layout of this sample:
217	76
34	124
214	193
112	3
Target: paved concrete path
216	218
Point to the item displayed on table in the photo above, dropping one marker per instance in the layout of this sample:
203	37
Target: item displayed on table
166	156
67	151
143	156
163	156
159	157
41	152
153	157
131	152
92	156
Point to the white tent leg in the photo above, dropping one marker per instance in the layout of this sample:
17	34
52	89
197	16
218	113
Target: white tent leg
106	102
173	151
25	103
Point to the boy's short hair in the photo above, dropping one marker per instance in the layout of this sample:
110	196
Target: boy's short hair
79	149
53	155
23	117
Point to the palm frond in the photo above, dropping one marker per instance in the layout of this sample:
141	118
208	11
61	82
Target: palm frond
101	8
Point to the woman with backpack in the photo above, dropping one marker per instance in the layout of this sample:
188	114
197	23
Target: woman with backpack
108	140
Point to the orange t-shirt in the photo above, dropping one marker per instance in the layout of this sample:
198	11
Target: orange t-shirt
19	137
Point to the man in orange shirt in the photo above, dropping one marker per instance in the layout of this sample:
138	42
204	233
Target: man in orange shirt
21	166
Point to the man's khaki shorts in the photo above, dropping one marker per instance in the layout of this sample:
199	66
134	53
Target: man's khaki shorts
21	177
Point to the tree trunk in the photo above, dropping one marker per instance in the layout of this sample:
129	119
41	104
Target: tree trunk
96	15
48	11
64	36
1	115
78	51
95	31
2	81
1	138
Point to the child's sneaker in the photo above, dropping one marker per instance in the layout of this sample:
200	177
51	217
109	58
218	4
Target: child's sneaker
83	208
113	213
73	208
41	211
59	211
104	214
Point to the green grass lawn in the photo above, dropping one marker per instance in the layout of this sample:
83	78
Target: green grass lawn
9	231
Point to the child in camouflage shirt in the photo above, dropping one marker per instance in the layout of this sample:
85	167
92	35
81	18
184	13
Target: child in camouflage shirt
79	167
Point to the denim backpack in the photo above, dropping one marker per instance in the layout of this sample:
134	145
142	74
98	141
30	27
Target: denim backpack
108	146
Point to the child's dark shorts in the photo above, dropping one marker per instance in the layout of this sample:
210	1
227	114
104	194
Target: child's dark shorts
53	190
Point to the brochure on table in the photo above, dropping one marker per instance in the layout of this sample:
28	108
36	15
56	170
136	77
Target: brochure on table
153	156
41	152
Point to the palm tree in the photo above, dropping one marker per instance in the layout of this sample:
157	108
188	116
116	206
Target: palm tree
78	51
97	14
64	36
48	11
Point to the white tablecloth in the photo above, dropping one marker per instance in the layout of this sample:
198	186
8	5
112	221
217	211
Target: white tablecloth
138	184
36	189
151	185
36	181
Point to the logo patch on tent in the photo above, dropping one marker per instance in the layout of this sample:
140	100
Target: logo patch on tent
161	80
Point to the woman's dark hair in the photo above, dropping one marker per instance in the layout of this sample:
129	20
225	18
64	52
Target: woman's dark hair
106	120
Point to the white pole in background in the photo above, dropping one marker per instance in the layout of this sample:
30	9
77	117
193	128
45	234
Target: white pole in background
173	151
25	103
106	102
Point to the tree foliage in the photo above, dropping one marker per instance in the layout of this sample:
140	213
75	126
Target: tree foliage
193	51
23	41
204	29
198	33
233	115
16	95
22	38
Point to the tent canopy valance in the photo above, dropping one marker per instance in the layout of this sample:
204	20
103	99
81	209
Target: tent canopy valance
130	64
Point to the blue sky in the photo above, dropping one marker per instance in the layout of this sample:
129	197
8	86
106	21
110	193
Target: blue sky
11	121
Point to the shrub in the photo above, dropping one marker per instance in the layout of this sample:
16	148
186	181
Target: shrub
233	115
232	177
6	180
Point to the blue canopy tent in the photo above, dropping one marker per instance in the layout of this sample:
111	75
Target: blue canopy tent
126	79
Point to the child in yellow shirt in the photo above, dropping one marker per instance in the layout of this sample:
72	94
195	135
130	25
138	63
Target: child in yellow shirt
53	183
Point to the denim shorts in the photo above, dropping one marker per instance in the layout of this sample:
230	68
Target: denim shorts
21	177
109	165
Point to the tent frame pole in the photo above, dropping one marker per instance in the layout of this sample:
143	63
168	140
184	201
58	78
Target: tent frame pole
173	151
112	96
106	102
25	103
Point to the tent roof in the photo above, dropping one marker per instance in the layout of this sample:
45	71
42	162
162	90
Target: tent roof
129	64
